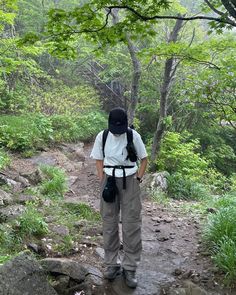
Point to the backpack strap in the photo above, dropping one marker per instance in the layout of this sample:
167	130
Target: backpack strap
129	134
104	138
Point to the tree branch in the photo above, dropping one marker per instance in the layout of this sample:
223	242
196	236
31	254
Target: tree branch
147	18
182	56
214	9
89	30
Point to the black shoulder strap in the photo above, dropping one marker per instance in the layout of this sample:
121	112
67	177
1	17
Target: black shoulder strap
104	138
129	135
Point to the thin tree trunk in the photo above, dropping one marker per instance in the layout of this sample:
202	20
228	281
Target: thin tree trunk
169	72
136	72
136	75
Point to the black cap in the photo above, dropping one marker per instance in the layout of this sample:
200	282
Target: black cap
118	121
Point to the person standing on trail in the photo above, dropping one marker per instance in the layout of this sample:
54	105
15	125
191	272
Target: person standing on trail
116	152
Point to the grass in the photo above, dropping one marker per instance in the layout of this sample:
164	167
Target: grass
54	184
220	236
82	211
225	258
31	226
4	258
31	223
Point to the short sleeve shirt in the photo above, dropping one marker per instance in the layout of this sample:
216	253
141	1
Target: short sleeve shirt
116	152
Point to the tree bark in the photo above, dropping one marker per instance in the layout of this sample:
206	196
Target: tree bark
169	72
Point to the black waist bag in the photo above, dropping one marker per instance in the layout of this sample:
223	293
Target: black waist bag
110	190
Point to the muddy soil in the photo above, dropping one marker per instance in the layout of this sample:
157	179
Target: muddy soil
172	249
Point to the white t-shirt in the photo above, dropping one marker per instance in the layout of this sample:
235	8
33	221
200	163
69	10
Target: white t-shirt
116	152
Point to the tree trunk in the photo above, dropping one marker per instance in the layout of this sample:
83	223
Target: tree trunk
136	75
169	72
230	6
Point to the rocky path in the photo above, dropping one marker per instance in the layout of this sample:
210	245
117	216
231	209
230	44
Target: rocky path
173	259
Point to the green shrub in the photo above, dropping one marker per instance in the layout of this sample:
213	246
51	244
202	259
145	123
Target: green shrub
182	187
31	223
64	128
64	100
90	124
179	154
217	182
227	200
4	159
233	182
54	184
221	224
225	258
25	132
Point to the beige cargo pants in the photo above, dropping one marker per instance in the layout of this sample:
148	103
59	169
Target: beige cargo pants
128	203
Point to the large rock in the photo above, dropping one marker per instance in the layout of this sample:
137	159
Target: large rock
23	198
75	152
15	185
70	276
23	275
34	176
157	181
11	212
13	180
63	266
5	198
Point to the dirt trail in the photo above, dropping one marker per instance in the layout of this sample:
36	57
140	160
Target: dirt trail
171	245
172	251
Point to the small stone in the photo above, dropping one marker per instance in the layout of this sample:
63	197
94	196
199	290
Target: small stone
163	239
61	230
33	247
167	220
177	272
156	219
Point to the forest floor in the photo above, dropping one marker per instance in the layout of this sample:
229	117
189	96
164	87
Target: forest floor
173	255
